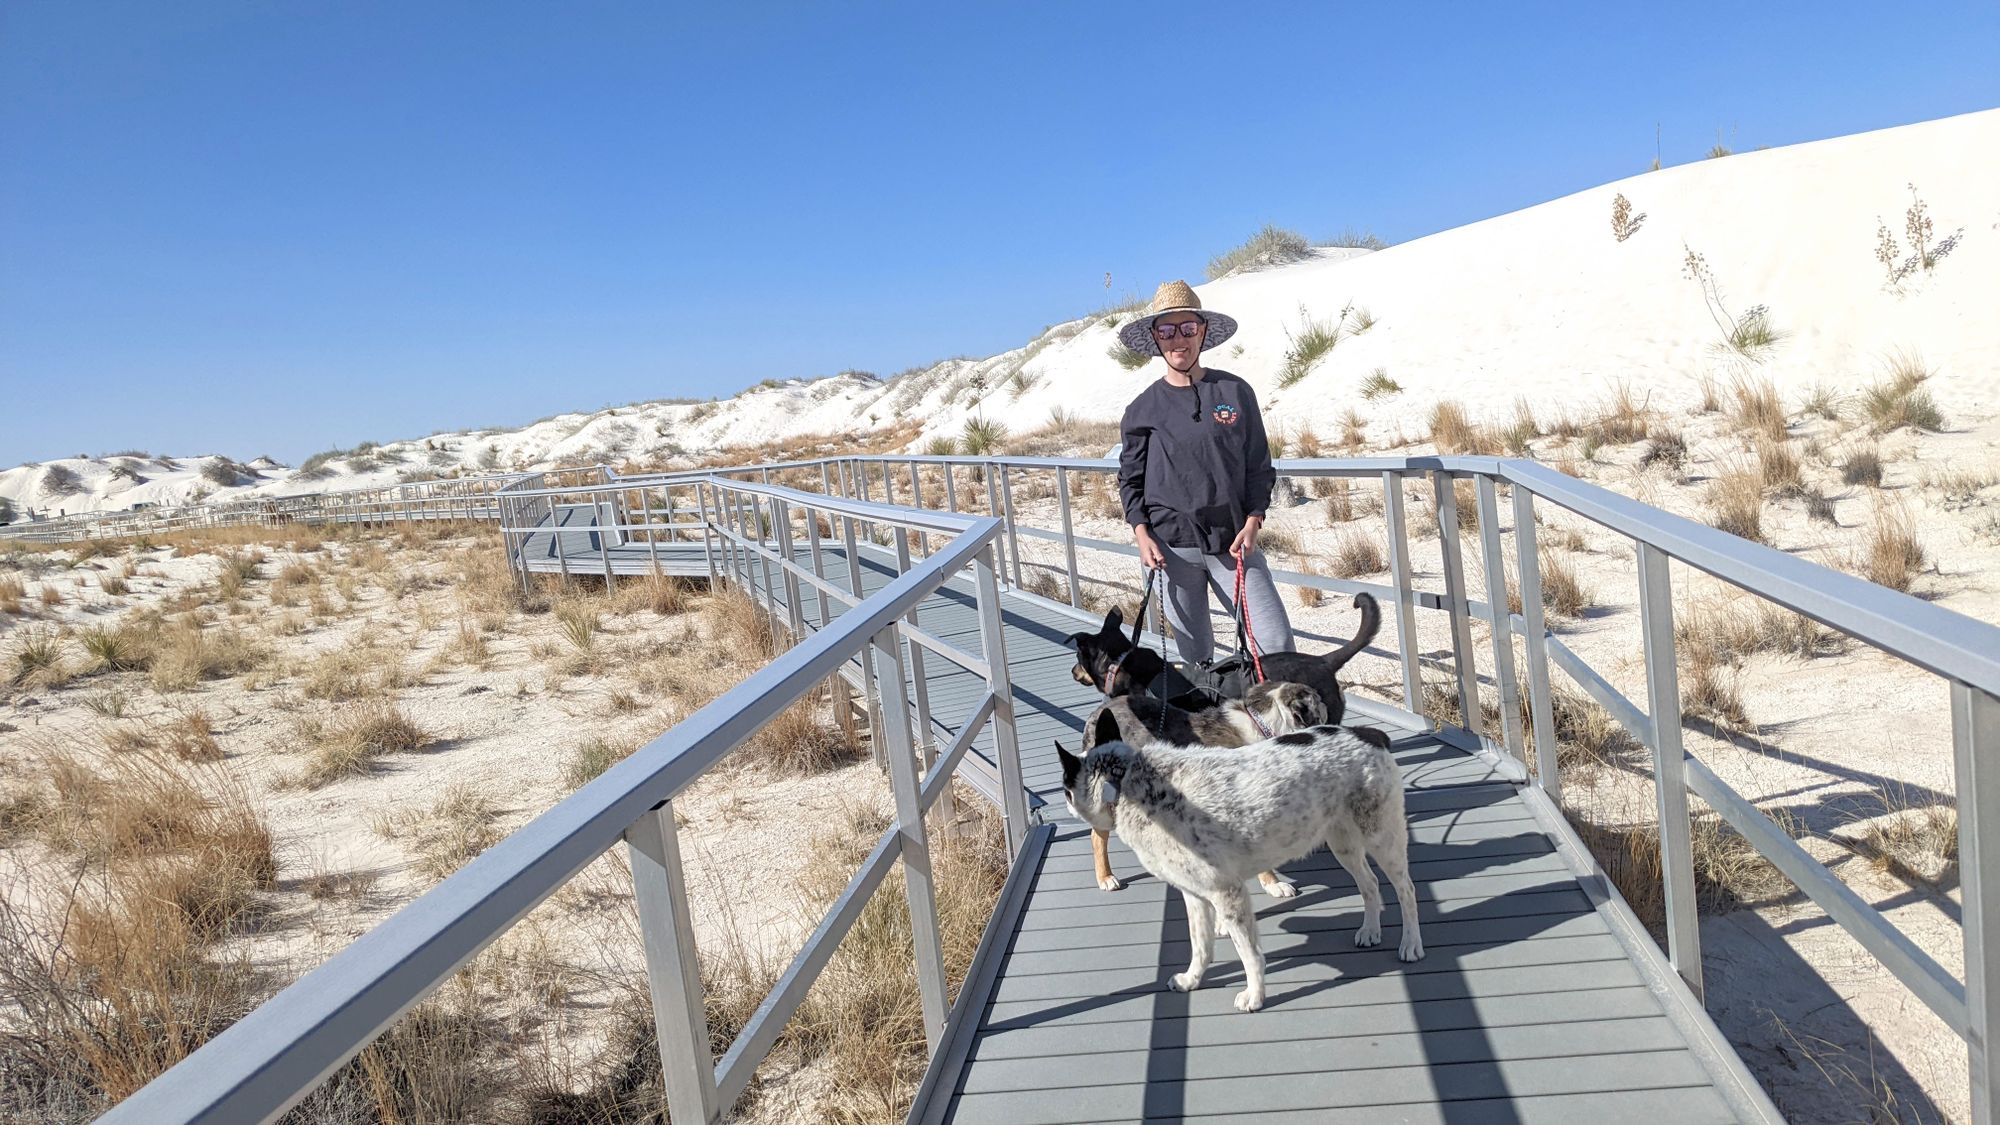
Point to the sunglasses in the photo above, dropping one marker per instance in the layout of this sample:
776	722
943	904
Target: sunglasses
1187	330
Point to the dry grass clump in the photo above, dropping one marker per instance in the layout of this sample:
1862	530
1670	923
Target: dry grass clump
1453	432
1728	872
1378	384
113	583
1277	541
663	595
1725	630
359	669
1863	466
1778	468
38	658
1356	554
1564	593
1892	555
578	622
1736	502
1667	447
1339	498
356	743
115	648
186	653
1900	399
449	834
1757	409
592	758
12	590
1622	421
1709	692
801	741
51	596
1915	839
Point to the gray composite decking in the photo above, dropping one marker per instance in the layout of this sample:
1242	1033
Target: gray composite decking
1528	1006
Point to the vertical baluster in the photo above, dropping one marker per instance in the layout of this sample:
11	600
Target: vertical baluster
673	971
1498	618
1406	606
1069	542
781	515
920	687
1975	739
701	491
1663	698
870	691
916	842
1454	587
1013	538
1541	707
1006	739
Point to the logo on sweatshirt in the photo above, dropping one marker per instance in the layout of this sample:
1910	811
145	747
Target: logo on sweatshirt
1225	414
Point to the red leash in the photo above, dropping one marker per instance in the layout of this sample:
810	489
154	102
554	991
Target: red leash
1243	614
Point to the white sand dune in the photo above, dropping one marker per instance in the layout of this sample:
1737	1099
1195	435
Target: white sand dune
1543	304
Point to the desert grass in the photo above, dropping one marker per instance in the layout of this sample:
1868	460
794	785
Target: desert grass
1668	448
1622	419
591	758
1891	555
447	835
1735	500
1710	692
1899	399
50	595
1915	838
115	648
1823	401
12	591
1522	430
1725	630
1355	554
800	741
1756	409
1270	246
1353	429
1565	594
360	669
187	653
38	658
1277	541
578	623
1127	358
356	742
1778	468
1313	341
1378	384
1728	871
1339	499
1453	432
1863	467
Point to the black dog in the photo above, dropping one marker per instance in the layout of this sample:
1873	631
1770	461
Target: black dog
1117	665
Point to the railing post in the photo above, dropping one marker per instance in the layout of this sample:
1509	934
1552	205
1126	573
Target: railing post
1498	617
926	737
1454	592
673	972
1399	573
1006	739
707	529
1069	542
1541	705
781	514
915	840
1013	538
819	563
1975	740
950	488
1663	700
870	690
917	501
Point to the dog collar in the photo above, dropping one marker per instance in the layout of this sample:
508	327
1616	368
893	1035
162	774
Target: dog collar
1257	722
1111	673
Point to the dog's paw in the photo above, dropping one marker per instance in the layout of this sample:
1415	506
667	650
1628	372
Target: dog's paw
1250	999
1185	982
1281	889
1370	934
1110	883
1412	950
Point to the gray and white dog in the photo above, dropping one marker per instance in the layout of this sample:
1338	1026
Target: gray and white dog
1270	708
1205	820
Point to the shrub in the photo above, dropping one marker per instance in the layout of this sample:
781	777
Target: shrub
1864	466
1270	246
1453	432
983	437
1127	358
120	648
1356	554
221	472
1667	447
1758	409
943	445
1778	468
1736	503
1900	400
801	741
354	745
1314	340
59	481
1892	555
1378	384
38	657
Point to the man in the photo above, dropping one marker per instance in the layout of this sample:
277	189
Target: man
1195	475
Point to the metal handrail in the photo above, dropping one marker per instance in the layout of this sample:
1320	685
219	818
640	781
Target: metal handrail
271	1058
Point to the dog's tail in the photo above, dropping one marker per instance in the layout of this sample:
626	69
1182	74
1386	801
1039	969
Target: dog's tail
1371	623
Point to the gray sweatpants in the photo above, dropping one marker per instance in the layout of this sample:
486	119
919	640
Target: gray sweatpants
1189	576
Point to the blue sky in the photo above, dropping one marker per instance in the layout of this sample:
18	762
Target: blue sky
279	227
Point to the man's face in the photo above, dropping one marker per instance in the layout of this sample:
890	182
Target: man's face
1179	350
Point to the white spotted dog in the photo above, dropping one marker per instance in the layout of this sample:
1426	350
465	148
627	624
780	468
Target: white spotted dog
1205	820
1270	708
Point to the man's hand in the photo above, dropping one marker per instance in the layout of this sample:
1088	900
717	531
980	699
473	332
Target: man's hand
1150	553
1246	540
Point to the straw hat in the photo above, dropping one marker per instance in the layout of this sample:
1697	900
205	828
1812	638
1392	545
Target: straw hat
1175	296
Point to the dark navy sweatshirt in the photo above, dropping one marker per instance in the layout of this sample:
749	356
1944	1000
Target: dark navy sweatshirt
1195	463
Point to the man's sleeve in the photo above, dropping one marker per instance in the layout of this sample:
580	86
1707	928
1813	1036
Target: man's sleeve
1135	434
1258	476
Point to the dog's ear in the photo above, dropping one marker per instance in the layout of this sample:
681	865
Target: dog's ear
1107	791
1083	643
1379	739
1106	730
1070	764
1114	620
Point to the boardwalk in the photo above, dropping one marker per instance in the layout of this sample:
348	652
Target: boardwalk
1532	1004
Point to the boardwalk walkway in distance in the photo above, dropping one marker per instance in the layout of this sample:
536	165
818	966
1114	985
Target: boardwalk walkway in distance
1533	1003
